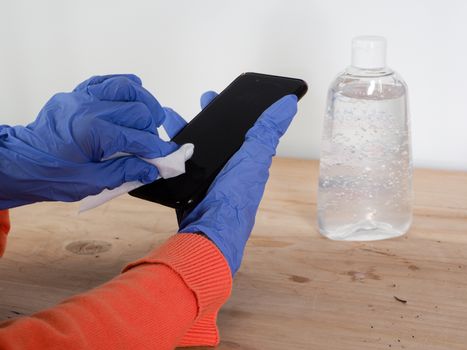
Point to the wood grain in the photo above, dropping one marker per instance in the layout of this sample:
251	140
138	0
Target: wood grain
295	290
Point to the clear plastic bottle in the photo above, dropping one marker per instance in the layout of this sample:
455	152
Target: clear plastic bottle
365	181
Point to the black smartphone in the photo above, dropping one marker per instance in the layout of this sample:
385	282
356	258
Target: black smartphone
217	132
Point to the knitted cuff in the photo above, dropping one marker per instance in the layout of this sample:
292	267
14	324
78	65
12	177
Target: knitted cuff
4	229
205	271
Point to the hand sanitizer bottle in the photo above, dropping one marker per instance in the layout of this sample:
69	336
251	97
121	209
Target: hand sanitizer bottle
365	181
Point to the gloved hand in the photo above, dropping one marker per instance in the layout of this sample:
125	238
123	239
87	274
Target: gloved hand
227	214
58	156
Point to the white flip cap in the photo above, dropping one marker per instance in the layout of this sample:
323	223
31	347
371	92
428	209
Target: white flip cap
369	52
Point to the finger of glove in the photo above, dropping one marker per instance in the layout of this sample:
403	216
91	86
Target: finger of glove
249	166
97	79
140	143
173	122
207	97
124	89
115	172
135	115
273	123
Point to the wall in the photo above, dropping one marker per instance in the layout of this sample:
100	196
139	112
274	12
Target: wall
181	48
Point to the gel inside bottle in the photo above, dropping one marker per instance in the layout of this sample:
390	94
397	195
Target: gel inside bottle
365	181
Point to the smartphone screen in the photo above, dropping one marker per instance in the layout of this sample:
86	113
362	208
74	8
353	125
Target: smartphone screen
217	132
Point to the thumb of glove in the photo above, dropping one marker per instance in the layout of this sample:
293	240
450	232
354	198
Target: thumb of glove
115	172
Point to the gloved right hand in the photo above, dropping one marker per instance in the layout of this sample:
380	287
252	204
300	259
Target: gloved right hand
58	156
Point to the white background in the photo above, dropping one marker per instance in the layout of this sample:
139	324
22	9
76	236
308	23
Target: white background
182	48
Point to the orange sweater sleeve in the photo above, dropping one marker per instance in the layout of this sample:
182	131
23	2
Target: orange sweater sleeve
4	229
169	298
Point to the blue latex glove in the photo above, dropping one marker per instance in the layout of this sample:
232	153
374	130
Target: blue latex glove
227	214
58	156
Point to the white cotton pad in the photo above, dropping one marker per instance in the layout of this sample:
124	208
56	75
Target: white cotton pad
169	166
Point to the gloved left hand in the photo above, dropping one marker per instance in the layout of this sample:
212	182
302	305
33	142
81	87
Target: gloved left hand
227	213
58	156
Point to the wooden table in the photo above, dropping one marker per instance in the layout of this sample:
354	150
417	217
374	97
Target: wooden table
295	290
